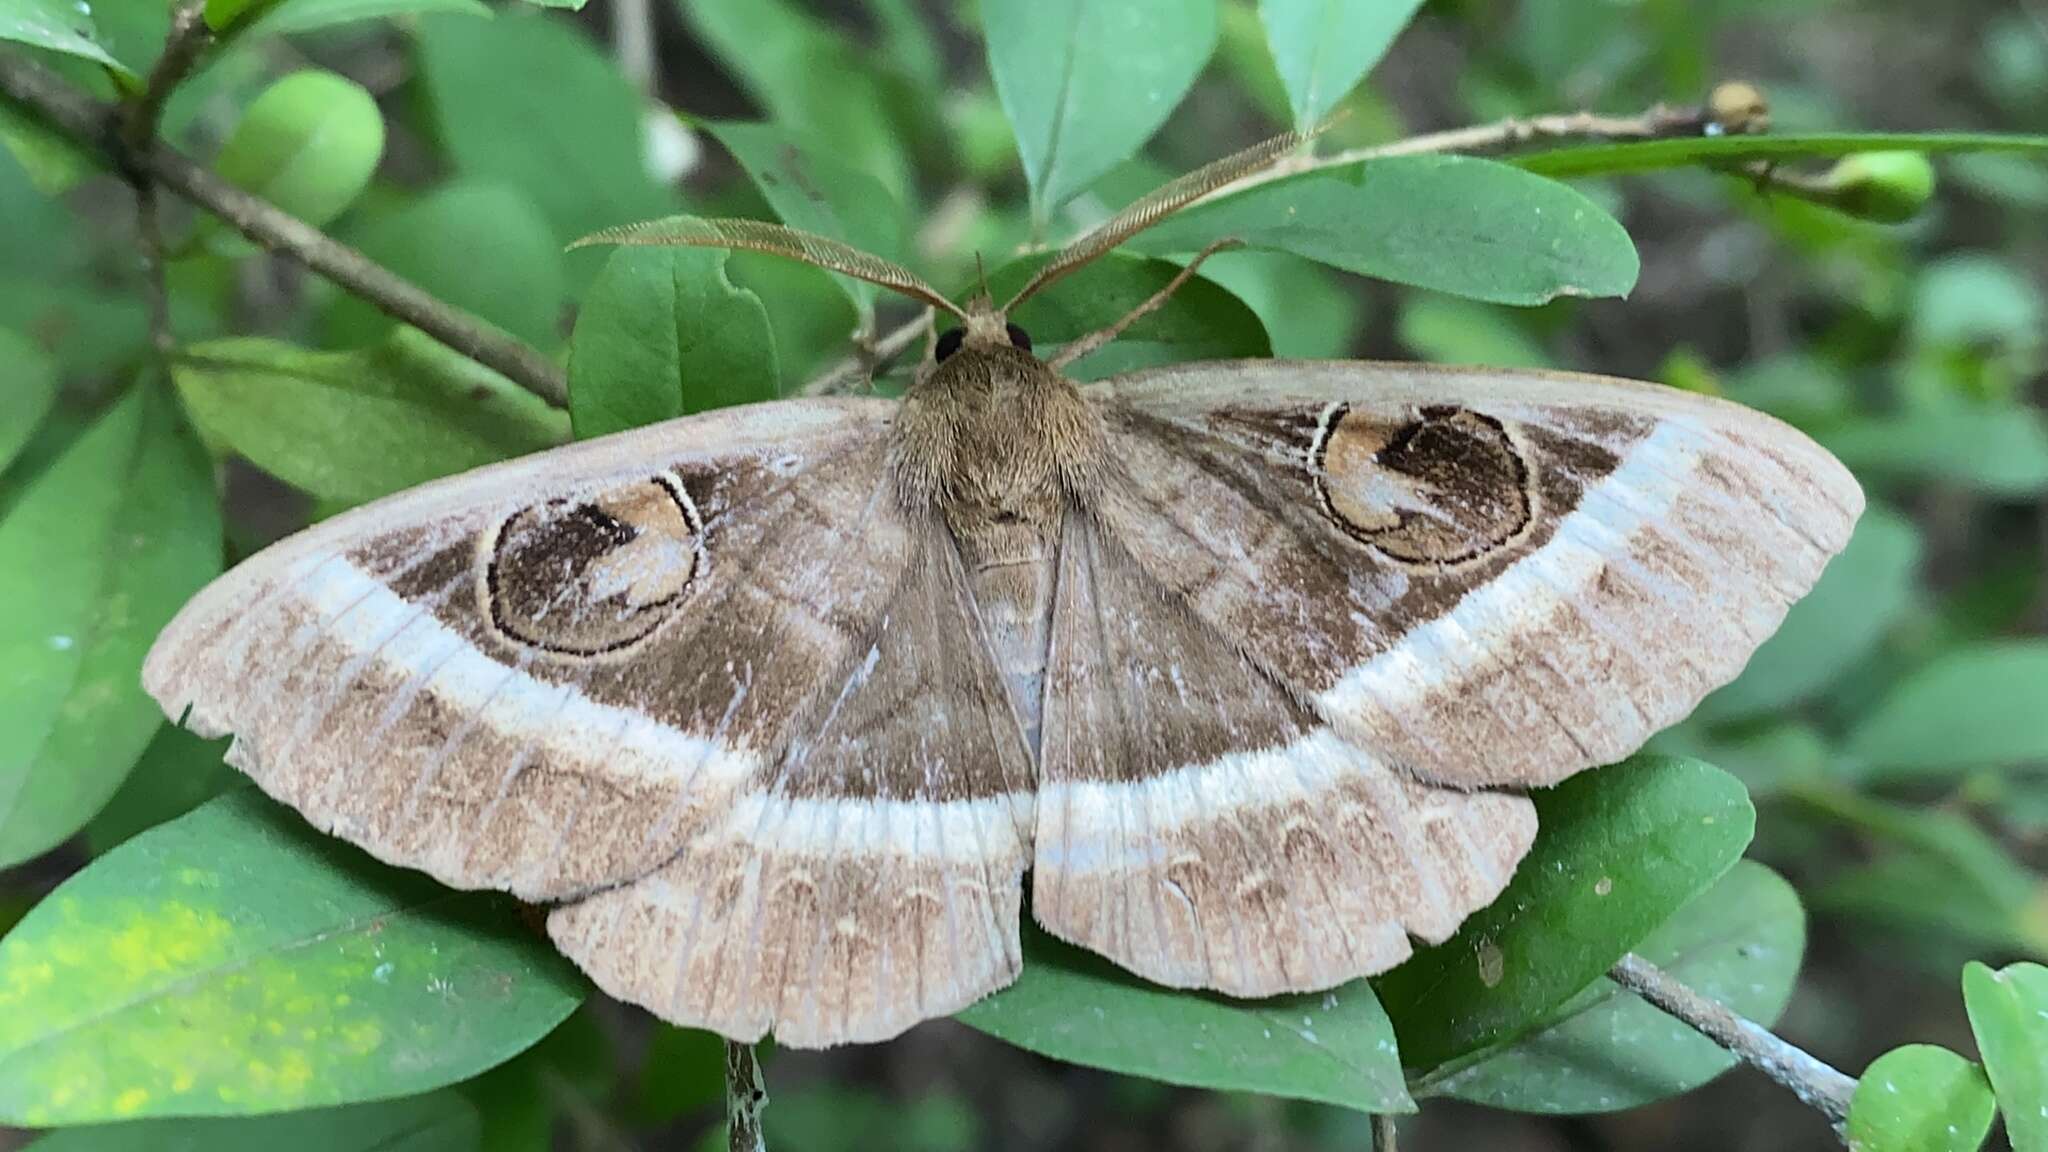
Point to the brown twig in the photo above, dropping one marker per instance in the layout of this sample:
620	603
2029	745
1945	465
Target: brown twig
746	1094
1731	109
183	45
1384	1135
861	364
89	122
1817	1085
150	230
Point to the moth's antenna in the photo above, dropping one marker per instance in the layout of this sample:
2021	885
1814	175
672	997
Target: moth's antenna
1163	202
759	236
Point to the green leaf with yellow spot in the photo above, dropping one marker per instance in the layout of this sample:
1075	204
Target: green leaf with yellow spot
234	962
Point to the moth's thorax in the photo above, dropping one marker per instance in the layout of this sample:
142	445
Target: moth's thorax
997	441
998	444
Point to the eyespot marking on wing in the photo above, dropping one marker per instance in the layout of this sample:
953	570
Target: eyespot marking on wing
1442	487
580	578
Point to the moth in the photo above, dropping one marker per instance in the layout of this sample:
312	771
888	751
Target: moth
1249	666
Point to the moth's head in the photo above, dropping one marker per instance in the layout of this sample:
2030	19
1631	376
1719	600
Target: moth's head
983	327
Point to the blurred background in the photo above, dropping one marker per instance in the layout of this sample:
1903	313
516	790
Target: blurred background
1893	737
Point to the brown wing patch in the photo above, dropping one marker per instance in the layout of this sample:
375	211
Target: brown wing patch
594	576
1445	486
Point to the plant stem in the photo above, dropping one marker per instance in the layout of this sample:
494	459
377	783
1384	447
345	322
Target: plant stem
150	231
89	122
861	364
1732	109
746	1094
186	40
1817	1085
183	45
1383	1133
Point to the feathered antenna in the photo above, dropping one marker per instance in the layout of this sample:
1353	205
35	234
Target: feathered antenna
758	236
1163	202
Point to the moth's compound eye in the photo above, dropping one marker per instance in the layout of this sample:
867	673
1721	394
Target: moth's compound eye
1019	337
949	343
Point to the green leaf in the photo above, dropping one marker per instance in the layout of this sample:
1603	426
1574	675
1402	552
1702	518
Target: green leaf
1973	297
235	962
1617	852
571	1072
908	47
1201	322
2009	1014
31	389
58	25
1087	82
526	100
287	17
1335	1047
1860	596
813	190
684	1071
808	313
96	555
1975	707
2000	450
1306	311
662	333
1649	155
436	1122
177	773
1323	48
1448	330
309	144
1473	228
352	426
222	15
1920	1099
808	77
1764	758
484	248
1739	944
1944	875
824	1118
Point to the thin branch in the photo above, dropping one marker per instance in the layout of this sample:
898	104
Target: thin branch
1817	1085
861	365
1732	109
746	1094
89	122
183	45
150	230
1383	1133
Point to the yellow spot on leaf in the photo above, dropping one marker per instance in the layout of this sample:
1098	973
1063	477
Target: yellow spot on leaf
130	1102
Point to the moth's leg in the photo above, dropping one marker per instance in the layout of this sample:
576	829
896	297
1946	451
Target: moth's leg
1097	339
